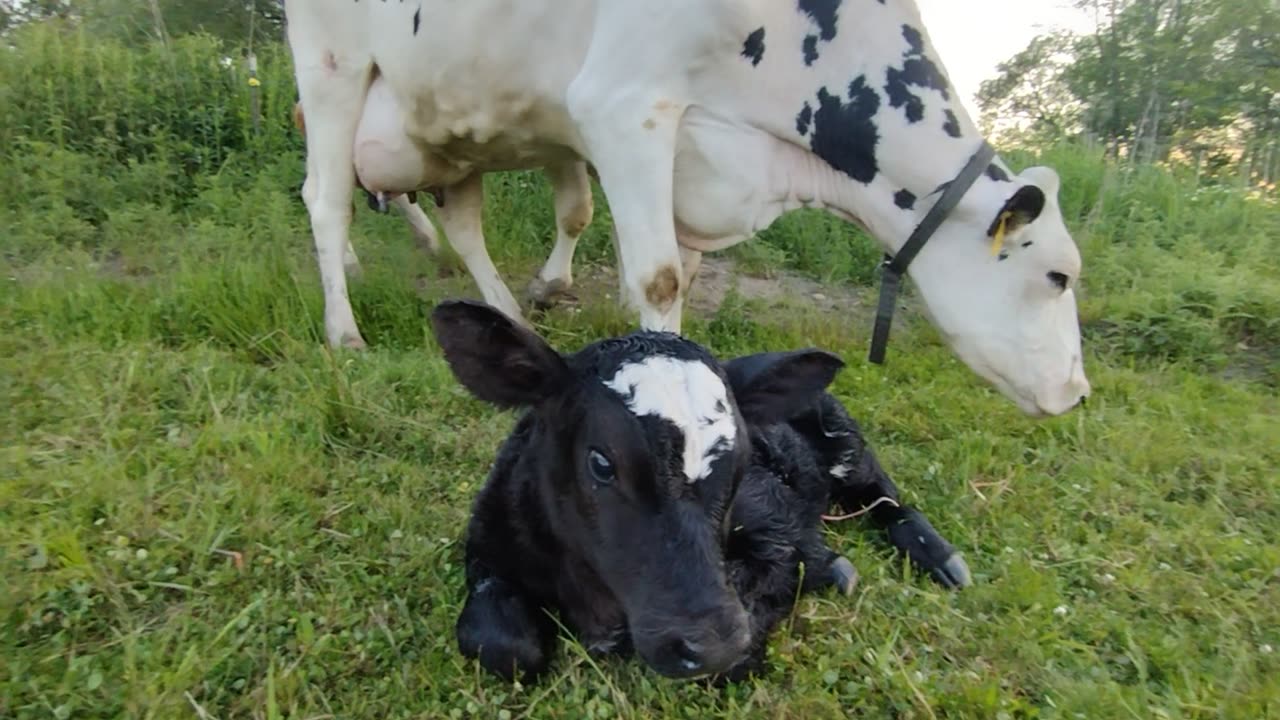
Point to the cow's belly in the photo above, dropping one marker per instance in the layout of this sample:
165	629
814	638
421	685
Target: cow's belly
480	85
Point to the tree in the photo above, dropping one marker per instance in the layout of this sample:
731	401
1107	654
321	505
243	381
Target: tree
1029	96
1157	80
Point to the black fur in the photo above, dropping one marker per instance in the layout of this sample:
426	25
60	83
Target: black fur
844	133
753	47
645	561
904	199
824	14
917	71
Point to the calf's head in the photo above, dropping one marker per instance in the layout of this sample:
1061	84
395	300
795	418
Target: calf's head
639	443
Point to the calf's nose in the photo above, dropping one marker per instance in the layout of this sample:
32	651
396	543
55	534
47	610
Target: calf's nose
711	646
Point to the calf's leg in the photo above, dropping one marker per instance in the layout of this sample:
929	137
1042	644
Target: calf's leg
767	543
864	484
506	631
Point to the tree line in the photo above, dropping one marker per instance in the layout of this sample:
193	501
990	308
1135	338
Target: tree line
1194	83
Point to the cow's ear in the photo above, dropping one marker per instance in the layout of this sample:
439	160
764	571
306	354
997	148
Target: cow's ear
772	387
499	361
1020	210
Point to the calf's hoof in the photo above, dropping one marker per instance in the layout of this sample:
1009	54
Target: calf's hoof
953	574
928	550
844	575
542	294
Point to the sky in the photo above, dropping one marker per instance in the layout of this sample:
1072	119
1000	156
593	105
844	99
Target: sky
973	36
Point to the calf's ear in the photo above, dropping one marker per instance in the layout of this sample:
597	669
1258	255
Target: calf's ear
496	359
772	387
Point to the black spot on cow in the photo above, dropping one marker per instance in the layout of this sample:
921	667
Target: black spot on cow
1004	255
417	20
997	173
952	125
914	39
917	71
753	48
904	199
803	118
824	14
844	133
900	96
810	49
1026	244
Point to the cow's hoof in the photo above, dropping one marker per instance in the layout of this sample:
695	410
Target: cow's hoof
542	294
953	574
844	575
352	342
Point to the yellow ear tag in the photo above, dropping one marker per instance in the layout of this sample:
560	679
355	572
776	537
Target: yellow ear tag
997	241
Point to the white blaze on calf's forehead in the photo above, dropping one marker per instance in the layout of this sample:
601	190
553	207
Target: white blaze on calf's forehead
690	395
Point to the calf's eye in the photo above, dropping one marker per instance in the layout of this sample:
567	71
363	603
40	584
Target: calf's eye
600	466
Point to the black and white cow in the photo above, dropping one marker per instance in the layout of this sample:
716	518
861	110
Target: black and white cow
705	120
656	500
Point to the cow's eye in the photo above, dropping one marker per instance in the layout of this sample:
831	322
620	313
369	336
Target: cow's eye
600	466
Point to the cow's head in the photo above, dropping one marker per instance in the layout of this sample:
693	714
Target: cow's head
880	111
1008	308
641	442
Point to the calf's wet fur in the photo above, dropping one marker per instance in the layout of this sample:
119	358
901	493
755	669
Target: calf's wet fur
657	501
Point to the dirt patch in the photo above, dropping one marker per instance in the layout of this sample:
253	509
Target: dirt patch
720	274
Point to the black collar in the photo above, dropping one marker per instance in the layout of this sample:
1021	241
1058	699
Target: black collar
896	266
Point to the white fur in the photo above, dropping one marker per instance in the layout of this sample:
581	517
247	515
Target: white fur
691	396
696	149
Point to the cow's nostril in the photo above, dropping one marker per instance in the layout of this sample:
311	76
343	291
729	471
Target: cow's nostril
688	653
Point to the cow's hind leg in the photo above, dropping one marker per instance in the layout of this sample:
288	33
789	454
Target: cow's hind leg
332	91
507	632
424	233
574	208
461	219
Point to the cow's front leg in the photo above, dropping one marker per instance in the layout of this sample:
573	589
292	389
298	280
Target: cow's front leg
629	133
506	631
574	205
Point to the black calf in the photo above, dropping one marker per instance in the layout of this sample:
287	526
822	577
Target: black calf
654	499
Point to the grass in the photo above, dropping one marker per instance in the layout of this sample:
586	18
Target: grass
205	513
